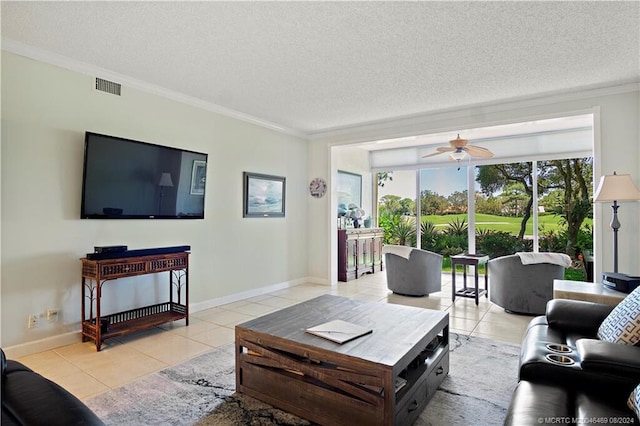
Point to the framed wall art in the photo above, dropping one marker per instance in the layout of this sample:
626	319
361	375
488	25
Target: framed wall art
349	188
264	195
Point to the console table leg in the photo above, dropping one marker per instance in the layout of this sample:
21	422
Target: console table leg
186	295
98	313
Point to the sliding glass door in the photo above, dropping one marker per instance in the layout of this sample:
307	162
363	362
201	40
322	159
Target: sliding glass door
525	206
443	200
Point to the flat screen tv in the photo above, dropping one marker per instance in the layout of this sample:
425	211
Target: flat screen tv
126	179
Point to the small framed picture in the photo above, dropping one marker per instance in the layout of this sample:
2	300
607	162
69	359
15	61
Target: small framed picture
198	177
264	195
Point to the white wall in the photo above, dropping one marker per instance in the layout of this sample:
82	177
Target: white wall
616	147
319	220
325	162
356	160
45	112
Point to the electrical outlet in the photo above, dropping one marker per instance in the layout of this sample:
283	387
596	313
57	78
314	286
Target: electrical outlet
33	321
52	315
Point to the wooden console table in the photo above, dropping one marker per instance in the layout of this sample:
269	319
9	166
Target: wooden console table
95	273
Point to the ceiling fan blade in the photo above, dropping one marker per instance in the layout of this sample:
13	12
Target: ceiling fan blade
440	150
478	151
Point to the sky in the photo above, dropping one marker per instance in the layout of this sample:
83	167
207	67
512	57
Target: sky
443	181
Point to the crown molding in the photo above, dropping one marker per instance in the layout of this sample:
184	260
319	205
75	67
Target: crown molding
409	125
130	82
362	132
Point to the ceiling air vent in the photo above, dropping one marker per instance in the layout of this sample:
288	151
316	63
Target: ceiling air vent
108	86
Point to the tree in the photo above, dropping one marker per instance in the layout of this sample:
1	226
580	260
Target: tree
497	177
488	205
552	200
573	175
514	199
570	177
389	204
458	202
432	203
395	206
408	207
383	177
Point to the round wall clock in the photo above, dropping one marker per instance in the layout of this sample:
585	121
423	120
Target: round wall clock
318	187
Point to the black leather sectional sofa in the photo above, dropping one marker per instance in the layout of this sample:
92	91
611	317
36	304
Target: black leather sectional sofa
568	375
30	399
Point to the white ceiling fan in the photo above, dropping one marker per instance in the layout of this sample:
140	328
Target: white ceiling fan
460	148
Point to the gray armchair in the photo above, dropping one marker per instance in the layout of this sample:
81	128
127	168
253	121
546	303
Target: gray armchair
411	271
522	289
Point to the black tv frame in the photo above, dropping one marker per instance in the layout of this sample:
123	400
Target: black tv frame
113	213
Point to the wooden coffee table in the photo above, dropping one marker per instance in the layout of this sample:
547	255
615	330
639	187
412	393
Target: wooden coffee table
350	383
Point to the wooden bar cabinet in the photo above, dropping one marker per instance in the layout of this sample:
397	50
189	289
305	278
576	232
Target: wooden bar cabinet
359	252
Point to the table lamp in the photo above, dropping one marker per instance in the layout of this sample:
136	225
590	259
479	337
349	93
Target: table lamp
616	188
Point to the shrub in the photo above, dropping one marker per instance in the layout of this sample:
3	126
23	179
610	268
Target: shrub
552	241
404	232
457	227
585	238
449	244
527	245
451	251
481	232
428	228
428	236
499	243
388	222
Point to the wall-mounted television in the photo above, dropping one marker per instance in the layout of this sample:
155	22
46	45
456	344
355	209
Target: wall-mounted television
127	179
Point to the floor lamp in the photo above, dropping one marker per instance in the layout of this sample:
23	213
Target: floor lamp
165	180
616	188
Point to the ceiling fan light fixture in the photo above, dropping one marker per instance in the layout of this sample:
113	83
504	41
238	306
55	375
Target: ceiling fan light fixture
459	149
458	155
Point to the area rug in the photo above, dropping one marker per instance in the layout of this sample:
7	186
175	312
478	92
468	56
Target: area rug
201	391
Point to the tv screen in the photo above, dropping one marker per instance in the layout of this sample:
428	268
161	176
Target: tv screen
126	179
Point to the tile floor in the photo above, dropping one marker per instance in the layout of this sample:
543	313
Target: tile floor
86	373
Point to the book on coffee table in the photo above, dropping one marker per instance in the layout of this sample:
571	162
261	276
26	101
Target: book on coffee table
339	331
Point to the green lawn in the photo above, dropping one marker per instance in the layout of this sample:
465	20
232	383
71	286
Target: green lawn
511	225
547	222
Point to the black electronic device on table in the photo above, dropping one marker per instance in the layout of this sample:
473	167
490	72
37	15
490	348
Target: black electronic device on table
110	249
620	282
138	252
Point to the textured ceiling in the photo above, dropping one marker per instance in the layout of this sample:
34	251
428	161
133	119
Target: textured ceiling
318	66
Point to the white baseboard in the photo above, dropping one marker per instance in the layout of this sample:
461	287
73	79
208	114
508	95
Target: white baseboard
212	303
46	344
316	280
72	337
